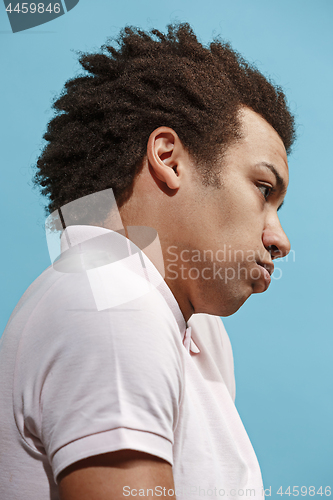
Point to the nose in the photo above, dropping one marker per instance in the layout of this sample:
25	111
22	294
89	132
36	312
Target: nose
275	240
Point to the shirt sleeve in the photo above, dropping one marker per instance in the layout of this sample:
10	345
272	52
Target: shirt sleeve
91	382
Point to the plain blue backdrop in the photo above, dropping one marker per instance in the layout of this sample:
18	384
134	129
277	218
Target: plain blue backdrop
282	339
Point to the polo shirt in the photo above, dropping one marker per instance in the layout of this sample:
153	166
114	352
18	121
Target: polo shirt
97	357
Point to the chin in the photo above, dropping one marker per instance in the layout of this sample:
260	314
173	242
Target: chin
232	309
225	307
236	301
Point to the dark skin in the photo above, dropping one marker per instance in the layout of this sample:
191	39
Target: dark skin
242	213
103	477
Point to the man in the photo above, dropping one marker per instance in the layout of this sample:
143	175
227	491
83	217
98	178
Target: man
114	384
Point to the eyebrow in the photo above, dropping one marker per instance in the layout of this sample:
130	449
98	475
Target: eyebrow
279	180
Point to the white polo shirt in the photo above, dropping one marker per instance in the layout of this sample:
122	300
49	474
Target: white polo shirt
85	372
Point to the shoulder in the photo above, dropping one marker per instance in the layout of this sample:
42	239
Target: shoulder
82	372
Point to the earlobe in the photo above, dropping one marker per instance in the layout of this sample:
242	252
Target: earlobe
162	156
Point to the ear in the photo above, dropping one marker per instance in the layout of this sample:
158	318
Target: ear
163	152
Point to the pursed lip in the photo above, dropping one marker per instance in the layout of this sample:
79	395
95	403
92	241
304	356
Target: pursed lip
267	269
267	265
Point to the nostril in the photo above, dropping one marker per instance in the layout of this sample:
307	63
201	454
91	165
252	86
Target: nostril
274	251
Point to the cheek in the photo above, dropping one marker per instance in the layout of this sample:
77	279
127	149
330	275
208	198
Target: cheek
238	210
244	223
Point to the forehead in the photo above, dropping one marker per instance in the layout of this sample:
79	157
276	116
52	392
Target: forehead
259	143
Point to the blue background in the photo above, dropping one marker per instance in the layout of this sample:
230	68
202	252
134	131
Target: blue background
282	339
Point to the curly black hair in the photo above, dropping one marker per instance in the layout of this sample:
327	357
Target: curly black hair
98	137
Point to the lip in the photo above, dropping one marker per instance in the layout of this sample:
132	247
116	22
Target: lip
269	266
266	269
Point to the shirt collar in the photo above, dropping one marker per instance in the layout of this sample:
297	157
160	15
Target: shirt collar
75	235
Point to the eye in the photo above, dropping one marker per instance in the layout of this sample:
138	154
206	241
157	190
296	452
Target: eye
265	190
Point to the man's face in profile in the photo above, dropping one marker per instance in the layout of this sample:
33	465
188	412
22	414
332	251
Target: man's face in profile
225	252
